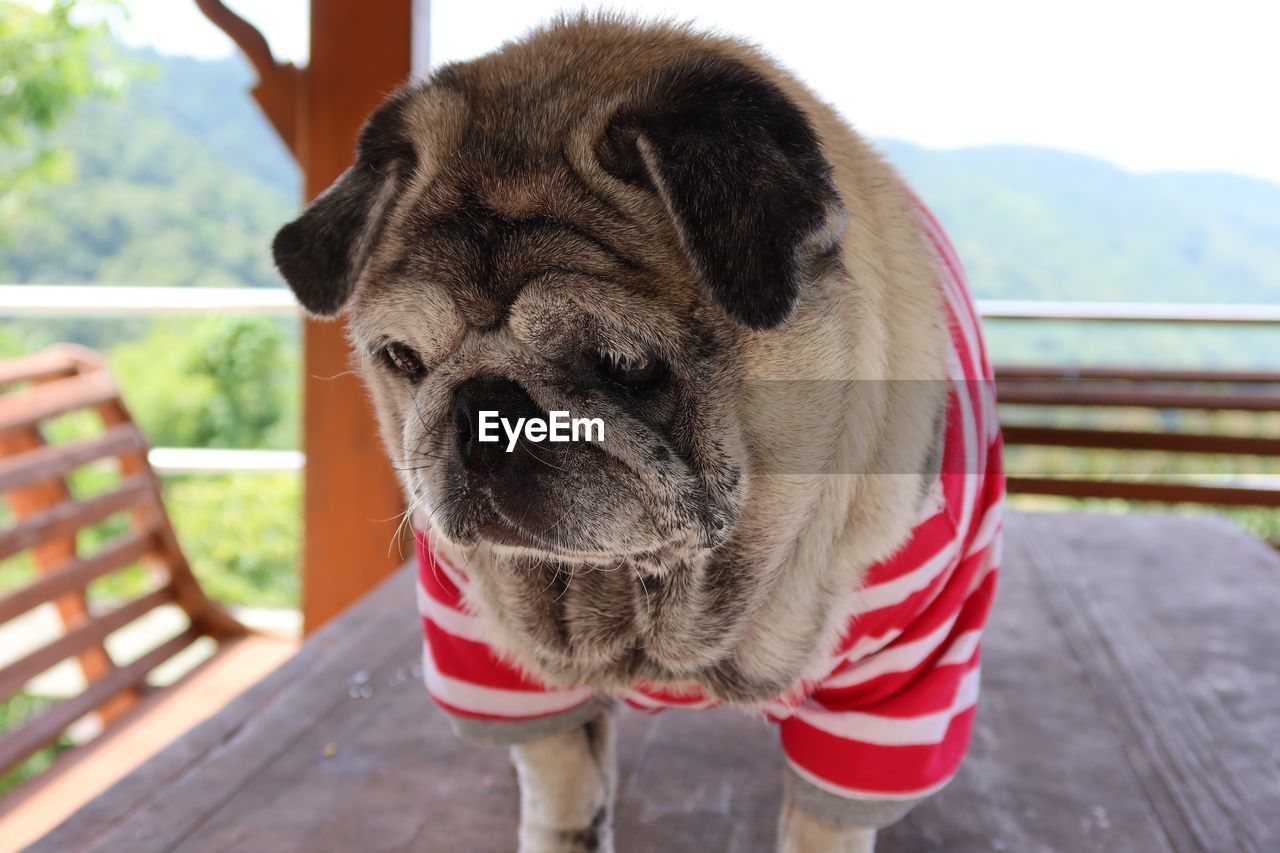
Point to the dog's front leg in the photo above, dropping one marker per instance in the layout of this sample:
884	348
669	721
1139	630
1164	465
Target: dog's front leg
566	790
798	832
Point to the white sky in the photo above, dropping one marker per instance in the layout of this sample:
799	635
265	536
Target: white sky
1148	85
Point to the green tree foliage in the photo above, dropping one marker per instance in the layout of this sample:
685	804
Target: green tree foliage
241	533
150	206
13	712
50	61
179	182
222	382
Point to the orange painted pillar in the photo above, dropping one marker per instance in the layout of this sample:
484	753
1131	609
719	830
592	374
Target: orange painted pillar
360	51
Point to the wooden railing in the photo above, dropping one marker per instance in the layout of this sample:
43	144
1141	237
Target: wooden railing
1041	392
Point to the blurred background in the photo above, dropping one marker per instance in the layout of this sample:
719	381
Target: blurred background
1127	153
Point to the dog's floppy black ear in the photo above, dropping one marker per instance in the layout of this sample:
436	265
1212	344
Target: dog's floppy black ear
742	174
322	252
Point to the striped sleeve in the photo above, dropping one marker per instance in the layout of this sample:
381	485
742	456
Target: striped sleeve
463	674
892	719
896	725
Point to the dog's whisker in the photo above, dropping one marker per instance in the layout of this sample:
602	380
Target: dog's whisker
568	584
406	520
524	445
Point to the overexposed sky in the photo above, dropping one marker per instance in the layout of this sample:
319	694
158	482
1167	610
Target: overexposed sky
1147	85
176	26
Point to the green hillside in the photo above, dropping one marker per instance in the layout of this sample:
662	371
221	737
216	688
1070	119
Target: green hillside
1035	223
182	182
178	182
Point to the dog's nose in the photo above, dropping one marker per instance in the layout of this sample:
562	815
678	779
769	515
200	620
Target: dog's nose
488	394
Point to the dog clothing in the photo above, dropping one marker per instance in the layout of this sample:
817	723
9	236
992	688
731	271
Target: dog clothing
890	721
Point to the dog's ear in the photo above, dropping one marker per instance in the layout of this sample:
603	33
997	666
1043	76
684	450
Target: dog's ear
742	175
322	253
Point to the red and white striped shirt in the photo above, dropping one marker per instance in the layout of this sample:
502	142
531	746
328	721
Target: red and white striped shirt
891	719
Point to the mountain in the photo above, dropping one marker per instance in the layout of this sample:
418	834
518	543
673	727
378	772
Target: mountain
182	182
179	181
1035	223
210	101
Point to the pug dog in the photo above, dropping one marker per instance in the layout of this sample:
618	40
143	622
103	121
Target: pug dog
793	507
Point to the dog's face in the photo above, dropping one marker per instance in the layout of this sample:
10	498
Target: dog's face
619	234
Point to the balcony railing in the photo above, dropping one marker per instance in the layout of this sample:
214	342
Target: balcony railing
1048	387
1131	312
191	460
57	300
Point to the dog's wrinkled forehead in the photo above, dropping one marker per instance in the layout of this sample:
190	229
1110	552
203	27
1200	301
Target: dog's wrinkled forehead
484	230
609	149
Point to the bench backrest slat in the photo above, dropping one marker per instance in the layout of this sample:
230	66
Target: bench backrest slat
49	463
45	728
46	364
57	397
68	518
84	636
78	572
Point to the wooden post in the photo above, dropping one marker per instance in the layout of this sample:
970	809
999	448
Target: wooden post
360	51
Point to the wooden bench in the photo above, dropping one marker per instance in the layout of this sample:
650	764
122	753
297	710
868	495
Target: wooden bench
49	521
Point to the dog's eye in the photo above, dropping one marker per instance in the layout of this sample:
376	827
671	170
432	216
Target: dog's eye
634	374
403	360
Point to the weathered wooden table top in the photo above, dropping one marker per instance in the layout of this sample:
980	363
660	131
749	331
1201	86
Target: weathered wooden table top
1131	702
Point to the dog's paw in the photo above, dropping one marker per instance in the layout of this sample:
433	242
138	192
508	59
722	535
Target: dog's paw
567	782
798	832
596	837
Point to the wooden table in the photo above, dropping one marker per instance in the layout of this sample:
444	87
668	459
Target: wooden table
1131	702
